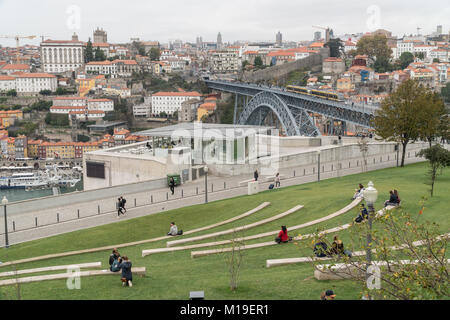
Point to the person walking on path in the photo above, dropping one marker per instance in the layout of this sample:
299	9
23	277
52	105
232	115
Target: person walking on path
119	207
172	185
127	276
123	203
256	175
277	180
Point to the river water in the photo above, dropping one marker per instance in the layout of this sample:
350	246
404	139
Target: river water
20	194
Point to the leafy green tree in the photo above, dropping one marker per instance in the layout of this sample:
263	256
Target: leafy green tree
258	62
27	128
41	105
374	46
382	65
59	120
88	52
398	117
99	55
436	60
45	92
244	64
419	55
398	235
445	92
439	158
405	59
336	47
433	117
12	93
60	91
155	53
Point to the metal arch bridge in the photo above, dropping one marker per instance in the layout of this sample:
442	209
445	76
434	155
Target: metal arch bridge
291	109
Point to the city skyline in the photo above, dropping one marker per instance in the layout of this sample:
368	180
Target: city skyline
252	20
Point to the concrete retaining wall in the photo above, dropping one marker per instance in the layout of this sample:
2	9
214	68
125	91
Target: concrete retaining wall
283	69
84	196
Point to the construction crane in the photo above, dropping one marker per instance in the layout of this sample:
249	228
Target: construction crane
327	32
418	31
17	38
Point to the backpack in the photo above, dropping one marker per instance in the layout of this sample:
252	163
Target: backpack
320	249
180	232
124	200
271	186
359	219
115	265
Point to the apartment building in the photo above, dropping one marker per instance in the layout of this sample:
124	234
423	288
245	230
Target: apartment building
169	102
59	56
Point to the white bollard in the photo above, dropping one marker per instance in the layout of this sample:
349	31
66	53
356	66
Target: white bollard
253	187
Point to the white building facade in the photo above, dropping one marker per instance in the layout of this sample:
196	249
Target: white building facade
169	102
59	56
35	82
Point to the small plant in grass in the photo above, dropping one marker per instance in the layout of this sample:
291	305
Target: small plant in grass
234	259
439	159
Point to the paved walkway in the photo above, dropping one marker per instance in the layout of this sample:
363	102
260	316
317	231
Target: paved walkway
22	227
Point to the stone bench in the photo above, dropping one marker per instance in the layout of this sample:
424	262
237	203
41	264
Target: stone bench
245	182
195	254
52	268
272	178
238	229
90	273
342	271
353	204
77	252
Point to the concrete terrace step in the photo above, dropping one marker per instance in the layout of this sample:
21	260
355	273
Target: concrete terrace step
281	262
260	235
52	268
238	229
110	247
195	254
342	271
90	273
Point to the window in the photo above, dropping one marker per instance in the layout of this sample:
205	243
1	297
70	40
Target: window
95	169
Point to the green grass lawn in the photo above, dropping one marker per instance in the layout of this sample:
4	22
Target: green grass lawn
173	275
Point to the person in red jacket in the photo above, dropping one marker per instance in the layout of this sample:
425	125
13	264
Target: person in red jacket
282	236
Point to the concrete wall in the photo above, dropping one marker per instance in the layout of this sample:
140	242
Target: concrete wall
122	169
84	196
331	153
284	69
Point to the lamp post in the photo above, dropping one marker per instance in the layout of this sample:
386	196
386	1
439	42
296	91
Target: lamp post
4	203
370	196
206	183
318	165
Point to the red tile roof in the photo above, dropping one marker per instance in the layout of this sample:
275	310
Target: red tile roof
178	94
14	66
33	75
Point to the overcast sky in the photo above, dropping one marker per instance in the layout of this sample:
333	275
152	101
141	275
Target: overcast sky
165	20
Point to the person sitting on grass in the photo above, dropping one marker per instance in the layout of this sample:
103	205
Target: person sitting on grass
337	247
393	199
127	276
327	295
359	192
321	249
174	230
363	214
282	236
114	260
